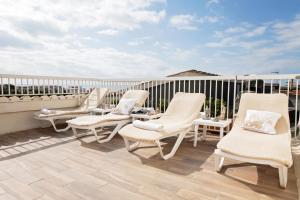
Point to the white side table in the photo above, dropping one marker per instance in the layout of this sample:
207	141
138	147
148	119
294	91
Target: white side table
145	116
208	122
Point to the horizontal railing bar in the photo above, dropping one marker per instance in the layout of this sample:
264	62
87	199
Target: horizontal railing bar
69	78
268	77
230	77
225	77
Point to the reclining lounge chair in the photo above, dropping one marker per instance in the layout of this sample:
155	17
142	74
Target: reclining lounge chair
260	148
93	122
94	99
176	121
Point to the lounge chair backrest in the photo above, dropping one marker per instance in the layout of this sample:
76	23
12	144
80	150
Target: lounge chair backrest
140	95
184	107
94	99
265	102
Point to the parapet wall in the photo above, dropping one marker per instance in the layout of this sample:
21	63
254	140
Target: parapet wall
16	113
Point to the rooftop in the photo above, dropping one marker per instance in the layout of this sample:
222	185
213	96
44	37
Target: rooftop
42	164
192	72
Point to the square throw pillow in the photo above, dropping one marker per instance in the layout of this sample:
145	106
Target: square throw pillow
125	106
261	121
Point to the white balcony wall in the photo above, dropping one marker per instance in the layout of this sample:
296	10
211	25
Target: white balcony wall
16	114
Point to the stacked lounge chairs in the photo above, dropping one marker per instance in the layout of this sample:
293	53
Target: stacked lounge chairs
94	99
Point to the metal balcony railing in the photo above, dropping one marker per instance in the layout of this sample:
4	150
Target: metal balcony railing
221	91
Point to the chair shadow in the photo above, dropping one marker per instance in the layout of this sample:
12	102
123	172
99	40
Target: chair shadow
89	141
267	179
25	142
296	157
21	143
187	159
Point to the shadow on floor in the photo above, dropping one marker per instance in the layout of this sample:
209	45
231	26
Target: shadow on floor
296	159
267	180
89	141
21	143
185	160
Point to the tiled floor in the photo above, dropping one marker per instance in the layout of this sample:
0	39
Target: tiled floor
41	164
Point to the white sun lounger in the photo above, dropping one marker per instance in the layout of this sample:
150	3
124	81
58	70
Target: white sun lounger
259	148
177	121
94	99
94	122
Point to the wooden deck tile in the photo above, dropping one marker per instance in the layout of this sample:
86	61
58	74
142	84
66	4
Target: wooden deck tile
43	165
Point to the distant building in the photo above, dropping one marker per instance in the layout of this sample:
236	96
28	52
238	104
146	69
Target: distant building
192	72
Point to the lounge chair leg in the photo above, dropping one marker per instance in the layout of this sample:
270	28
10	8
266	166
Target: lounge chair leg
196	130
112	134
131	147
283	176
219	160
58	130
76	133
174	149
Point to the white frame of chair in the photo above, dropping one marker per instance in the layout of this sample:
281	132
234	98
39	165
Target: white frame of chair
93	129
180	136
118	123
220	156
67	116
181	133
282	169
52	120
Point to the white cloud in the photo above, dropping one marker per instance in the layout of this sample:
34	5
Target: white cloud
211	19
276	50
65	15
138	41
225	42
240	36
162	45
239	50
135	43
212	2
109	32
99	63
235	30
66	37
191	22
62	37
244	30
256	32
182	54
183	22
288	31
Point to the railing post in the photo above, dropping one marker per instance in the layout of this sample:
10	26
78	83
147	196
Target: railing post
234	94
2	91
8	85
296	108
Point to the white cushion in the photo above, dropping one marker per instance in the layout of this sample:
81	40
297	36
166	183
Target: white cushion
46	111
261	121
125	106
148	125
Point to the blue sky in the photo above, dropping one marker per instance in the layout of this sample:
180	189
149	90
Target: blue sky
142	38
